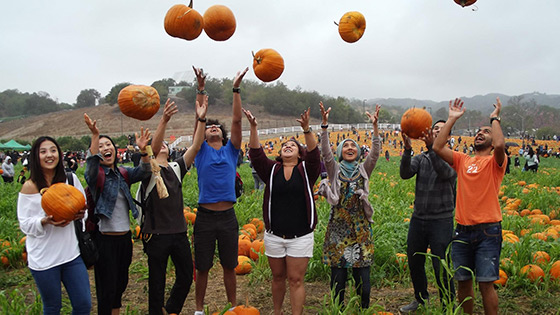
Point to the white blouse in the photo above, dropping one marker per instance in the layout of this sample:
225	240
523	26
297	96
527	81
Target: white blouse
48	246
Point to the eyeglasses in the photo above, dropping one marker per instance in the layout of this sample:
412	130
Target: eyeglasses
211	126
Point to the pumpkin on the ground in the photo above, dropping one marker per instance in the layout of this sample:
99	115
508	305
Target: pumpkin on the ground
541	257
244	247
246	310
219	22
259	224
533	272
139	101
415	121
268	64
183	22
62	201
555	270
256	247
243	265
352	26
503	278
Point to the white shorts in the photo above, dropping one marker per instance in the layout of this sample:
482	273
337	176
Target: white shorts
277	247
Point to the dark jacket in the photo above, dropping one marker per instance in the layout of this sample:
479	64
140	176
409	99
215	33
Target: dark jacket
309	169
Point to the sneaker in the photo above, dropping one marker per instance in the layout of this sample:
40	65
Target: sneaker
413	306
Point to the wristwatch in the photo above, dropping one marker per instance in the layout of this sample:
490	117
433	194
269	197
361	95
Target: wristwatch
495	118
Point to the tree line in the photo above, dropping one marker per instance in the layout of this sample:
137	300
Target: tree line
518	116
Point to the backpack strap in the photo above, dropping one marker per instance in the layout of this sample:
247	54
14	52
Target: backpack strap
70	178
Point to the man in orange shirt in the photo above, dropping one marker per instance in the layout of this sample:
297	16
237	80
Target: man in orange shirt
478	215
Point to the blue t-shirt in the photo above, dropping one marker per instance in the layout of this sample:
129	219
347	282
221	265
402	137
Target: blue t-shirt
216	173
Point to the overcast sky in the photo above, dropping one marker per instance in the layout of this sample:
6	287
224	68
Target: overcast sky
423	49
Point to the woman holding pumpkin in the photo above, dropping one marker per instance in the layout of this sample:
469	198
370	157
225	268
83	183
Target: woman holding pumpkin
52	246
348	239
289	210
112	206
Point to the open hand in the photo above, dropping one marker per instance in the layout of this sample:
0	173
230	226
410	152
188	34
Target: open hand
92	124
169	110
238	77
252	119
144	138
304	119
324	113
456	109
202	109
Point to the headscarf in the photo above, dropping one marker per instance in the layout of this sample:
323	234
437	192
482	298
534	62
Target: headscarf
347	168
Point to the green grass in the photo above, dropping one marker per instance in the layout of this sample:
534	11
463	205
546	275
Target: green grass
391	198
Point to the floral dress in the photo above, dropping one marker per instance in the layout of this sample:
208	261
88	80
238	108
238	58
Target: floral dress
349	239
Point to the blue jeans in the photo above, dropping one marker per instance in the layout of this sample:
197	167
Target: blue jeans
423	233
478	248
75	278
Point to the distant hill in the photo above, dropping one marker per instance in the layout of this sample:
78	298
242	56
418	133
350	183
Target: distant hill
477	102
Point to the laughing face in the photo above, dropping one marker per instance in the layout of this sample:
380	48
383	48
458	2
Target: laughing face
48	155
107	151
483	138
213	131
349	151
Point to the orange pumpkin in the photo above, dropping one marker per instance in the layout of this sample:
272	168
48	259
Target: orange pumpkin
256	247
511	238
352	26
183	22
465	3
268	64
139	101
415	121
243	247
533	272
219	22
250	232
224	313
555	270
503	278
250	226
190	217
246	310
259	224
1	171
5	261
62	201
541	257
243	265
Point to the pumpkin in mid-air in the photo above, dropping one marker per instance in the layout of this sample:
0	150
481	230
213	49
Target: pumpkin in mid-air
62	201
352	26
415	121
183	22
268	64
219	22
465	3
139	101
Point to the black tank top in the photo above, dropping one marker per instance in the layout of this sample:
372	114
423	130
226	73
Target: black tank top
289	211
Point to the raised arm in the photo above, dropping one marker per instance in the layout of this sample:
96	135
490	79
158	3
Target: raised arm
169	110
198	136
200	91
310	140
254	135
456	110
371	159
236	126
498	141
92	125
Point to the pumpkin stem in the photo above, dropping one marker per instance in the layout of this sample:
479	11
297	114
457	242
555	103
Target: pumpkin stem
190	4
258	60
335	23
43	190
